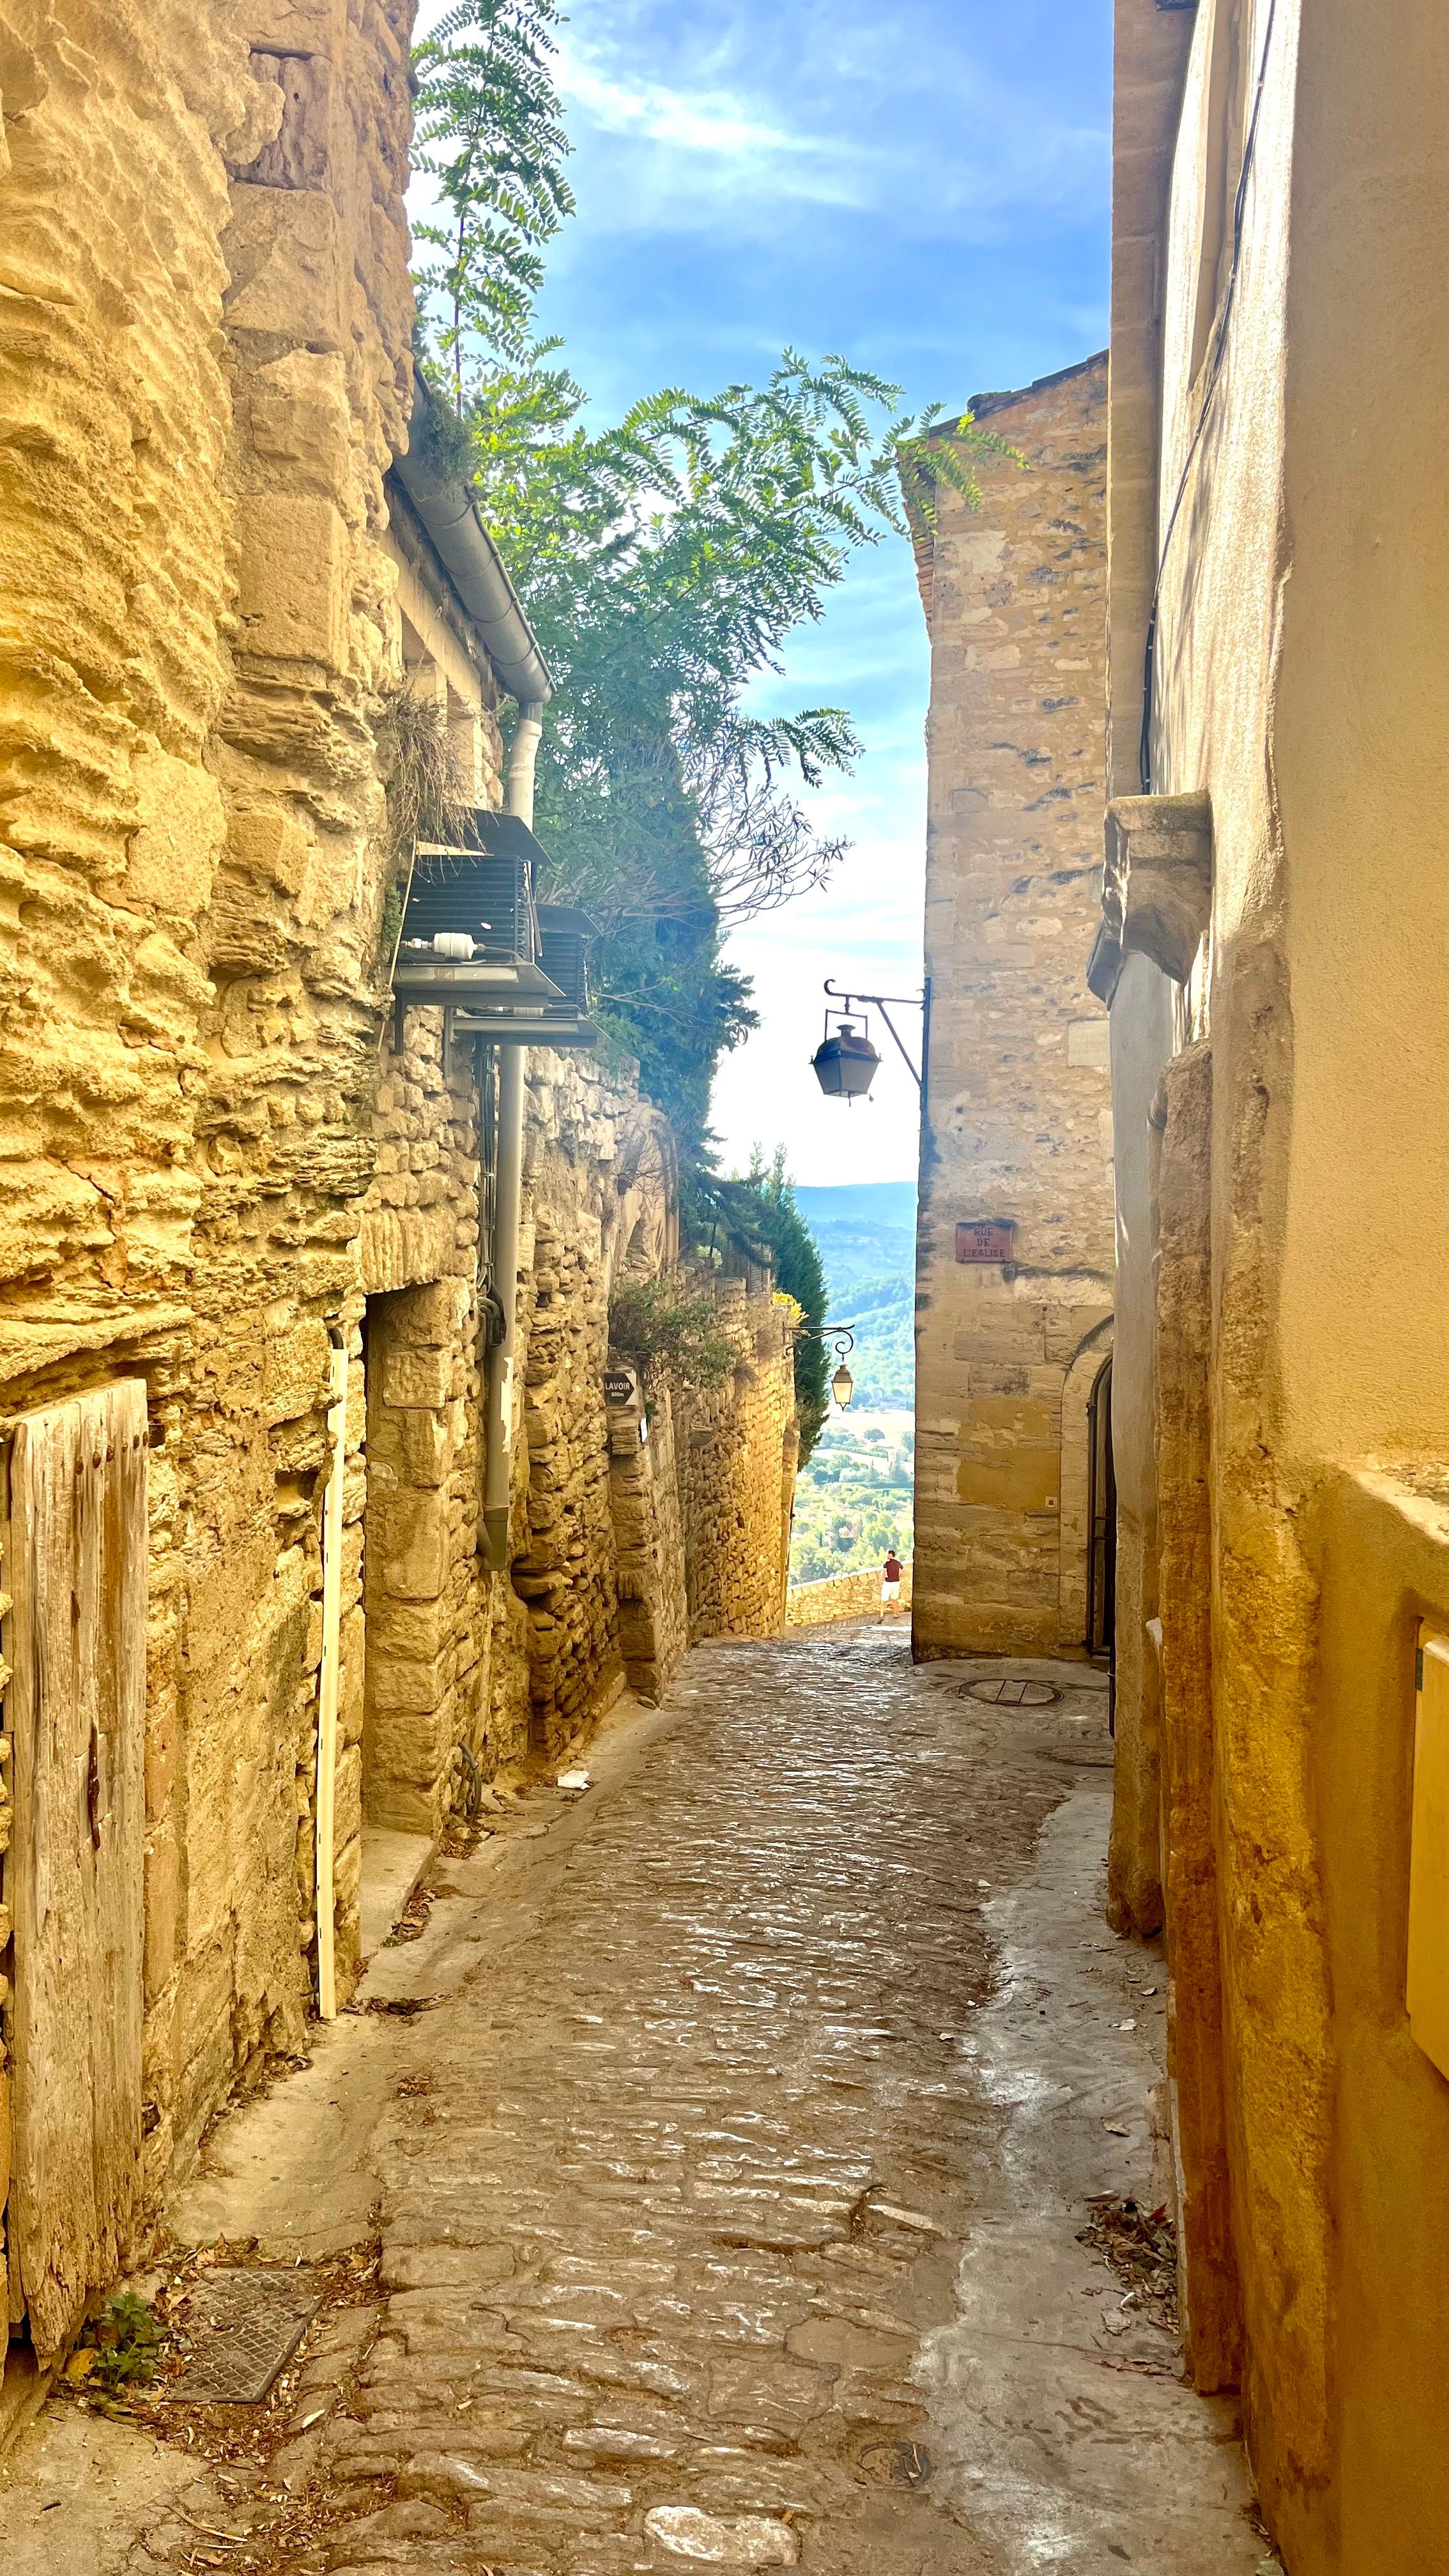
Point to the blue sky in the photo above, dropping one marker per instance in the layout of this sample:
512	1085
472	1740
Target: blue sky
922	187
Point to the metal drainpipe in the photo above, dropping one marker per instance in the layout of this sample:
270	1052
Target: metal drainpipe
508	1202
329	1683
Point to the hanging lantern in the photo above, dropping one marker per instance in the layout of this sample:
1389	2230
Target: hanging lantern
845	1063
842	1386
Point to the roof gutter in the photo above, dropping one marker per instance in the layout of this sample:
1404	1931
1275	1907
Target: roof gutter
473	564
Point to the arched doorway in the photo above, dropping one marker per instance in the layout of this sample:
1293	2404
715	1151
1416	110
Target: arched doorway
1101	1519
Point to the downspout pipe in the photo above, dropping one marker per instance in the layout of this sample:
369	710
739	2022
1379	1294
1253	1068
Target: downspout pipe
329	1683
445	505
508	1202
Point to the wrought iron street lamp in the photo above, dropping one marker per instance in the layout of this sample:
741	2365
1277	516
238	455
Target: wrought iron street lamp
846	1061
841	1338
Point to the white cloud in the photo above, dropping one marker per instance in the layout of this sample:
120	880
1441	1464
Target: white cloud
703	124
740	149
900	123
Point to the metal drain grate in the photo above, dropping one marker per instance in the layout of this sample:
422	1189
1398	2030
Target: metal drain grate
242	2327
1011	1692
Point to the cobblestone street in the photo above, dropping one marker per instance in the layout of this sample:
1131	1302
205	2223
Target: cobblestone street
730	2064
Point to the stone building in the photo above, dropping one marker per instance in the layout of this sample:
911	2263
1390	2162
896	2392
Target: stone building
255	1653
1014	1257
1276	914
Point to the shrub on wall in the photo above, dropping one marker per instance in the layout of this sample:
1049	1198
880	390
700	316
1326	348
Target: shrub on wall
659	1324
758	1216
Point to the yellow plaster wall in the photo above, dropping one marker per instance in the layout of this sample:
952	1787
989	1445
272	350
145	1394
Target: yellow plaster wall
1379	1539
1219	636
1302	684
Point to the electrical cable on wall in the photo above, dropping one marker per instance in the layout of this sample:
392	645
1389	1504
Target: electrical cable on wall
1220	350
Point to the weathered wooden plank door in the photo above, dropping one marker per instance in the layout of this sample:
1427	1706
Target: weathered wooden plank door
76	1570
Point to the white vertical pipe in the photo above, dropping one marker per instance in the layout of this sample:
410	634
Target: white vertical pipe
523	762
329	1685
508	1203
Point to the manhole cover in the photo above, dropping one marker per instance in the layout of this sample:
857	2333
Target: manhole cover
243	2327
1011	1692
893	2464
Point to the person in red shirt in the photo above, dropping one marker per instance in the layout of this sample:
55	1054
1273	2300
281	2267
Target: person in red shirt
890	1589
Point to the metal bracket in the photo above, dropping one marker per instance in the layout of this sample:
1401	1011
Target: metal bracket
878	1002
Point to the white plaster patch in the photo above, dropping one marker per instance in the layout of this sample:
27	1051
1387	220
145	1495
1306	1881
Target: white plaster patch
1089	1042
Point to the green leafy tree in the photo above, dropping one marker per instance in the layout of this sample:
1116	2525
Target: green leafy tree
489	137
664	560
757	1215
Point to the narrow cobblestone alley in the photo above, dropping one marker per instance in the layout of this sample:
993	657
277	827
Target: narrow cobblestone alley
731	2182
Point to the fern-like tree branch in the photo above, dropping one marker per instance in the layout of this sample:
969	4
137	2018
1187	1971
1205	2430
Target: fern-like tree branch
665	560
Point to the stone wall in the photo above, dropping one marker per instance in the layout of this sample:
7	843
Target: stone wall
210	315
563	1533
738	1446
221	1163
842	1596
426	1627
1017	1118
703	1499
1285	1053
649	1541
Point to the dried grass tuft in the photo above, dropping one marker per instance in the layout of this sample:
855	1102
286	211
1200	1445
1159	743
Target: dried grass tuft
426	797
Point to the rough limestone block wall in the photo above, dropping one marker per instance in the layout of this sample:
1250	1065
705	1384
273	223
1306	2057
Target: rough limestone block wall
206	333
115	526
427	1623
565	1573
1017	1115
599	1177
419	1555
112	669
842	1596
207	322
649	1544
737	1448
317	316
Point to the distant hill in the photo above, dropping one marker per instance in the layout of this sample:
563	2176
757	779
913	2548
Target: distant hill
866	1231
861	1203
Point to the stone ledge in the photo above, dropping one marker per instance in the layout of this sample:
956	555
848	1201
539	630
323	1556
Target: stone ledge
840	1596
1157	886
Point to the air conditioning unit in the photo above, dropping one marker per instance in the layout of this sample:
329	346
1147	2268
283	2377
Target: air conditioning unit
473	940
564	933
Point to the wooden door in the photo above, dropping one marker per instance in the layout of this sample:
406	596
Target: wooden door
75	1568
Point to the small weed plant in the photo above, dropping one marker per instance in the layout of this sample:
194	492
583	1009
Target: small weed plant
128	2344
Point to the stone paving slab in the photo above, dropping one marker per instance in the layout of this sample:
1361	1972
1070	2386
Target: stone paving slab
683	2184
